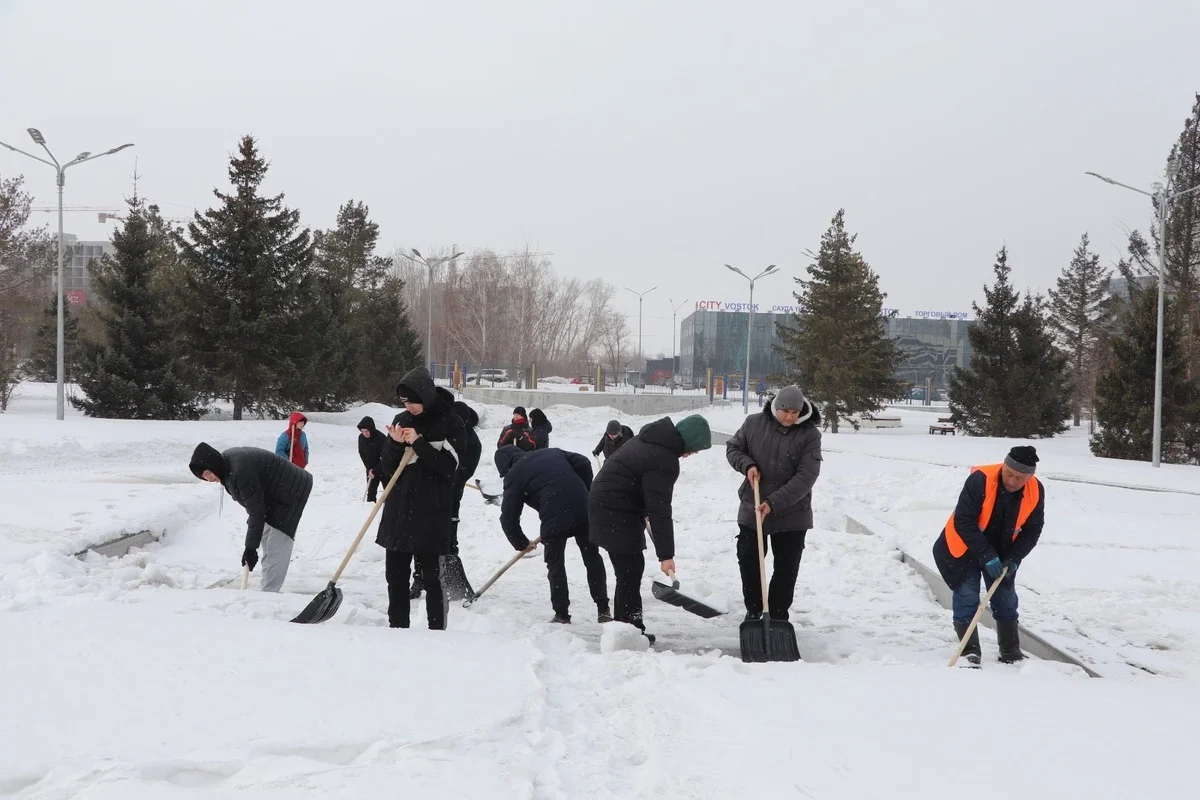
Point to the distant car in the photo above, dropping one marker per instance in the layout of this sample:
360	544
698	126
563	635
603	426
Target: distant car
490	375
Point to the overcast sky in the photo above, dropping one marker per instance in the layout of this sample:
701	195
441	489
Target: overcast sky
645	142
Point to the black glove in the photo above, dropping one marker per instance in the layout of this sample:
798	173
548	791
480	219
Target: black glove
250	558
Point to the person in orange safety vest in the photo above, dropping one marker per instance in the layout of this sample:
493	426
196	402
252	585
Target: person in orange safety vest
996	523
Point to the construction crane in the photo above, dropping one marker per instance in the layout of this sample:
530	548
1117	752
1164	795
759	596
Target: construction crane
102	214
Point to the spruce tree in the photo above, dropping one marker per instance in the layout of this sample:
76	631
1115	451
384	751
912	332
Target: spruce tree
247	260
1078	308
1183	237
132	373
336	337
1125	390
1016	384
43	359
837	344
393	347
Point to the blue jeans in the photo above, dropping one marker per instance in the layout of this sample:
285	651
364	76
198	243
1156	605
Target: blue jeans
966	597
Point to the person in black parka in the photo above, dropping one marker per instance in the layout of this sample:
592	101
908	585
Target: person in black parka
541	428
370	446
518	432
272	490
418	514
456	583
632	490
614	436
555	483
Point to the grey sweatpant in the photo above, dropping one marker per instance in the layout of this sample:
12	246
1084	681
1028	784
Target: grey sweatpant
276	556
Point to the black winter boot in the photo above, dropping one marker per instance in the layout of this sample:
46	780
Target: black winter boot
1009	637
418	586
971	652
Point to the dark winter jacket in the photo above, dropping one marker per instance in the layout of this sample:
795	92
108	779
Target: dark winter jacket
609	446
271	489
788	460
637	481
518	433
417	514
996	539
553	482
540	427
370	449
469	459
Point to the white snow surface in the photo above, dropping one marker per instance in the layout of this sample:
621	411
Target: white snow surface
133	677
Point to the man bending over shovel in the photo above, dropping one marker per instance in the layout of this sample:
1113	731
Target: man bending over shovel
272	490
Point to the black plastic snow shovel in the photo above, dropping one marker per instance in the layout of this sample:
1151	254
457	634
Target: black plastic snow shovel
329	599
490	499
671	594
766	639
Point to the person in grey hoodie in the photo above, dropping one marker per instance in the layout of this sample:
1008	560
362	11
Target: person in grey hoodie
781	449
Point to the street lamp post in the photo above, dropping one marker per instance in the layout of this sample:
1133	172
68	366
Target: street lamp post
60	170
640	296
674	331
437	262
749	331
1163	199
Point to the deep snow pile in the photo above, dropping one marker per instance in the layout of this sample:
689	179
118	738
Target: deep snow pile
130	678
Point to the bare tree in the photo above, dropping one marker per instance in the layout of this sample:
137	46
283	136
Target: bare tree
614	343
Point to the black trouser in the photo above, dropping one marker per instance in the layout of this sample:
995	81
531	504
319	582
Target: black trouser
627	599
556	570
396	569
372	488
789	547
418	573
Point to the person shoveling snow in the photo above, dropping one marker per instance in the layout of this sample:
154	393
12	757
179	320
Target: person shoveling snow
272	490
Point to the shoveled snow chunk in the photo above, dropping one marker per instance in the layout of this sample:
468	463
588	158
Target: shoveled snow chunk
622	636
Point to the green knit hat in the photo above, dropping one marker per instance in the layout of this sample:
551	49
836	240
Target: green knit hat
695	433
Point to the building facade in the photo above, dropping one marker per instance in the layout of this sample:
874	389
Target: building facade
80	259
933	343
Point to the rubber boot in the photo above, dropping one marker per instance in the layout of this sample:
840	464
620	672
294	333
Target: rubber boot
1009	638
971	652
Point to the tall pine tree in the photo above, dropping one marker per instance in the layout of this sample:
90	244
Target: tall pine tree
1125	390
1183	238
1016	384
247	262
1078	309
837	345
43	360
393	347
132	373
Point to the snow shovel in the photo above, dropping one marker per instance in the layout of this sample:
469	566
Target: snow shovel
329	599
473	596
671	594
490	499
975	621
768	639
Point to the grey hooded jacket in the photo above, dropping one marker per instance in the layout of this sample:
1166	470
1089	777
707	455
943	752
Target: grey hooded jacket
789	460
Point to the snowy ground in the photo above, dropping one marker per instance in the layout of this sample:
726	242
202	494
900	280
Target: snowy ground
130	678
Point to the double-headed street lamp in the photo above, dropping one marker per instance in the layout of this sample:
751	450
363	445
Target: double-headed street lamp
437	262
1163	199
60	169
640	295
749	329
674	330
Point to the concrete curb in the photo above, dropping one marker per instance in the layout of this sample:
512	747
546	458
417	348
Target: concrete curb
1031	642
115	548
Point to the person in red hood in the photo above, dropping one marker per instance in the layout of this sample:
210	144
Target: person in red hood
292	444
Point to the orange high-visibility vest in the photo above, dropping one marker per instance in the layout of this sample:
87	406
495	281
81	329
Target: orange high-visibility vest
1029	501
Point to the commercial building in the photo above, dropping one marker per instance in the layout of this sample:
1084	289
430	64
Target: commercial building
80	260
713	337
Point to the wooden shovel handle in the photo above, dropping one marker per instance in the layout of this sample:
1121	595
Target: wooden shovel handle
975	621
516	557
762	551
408	454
